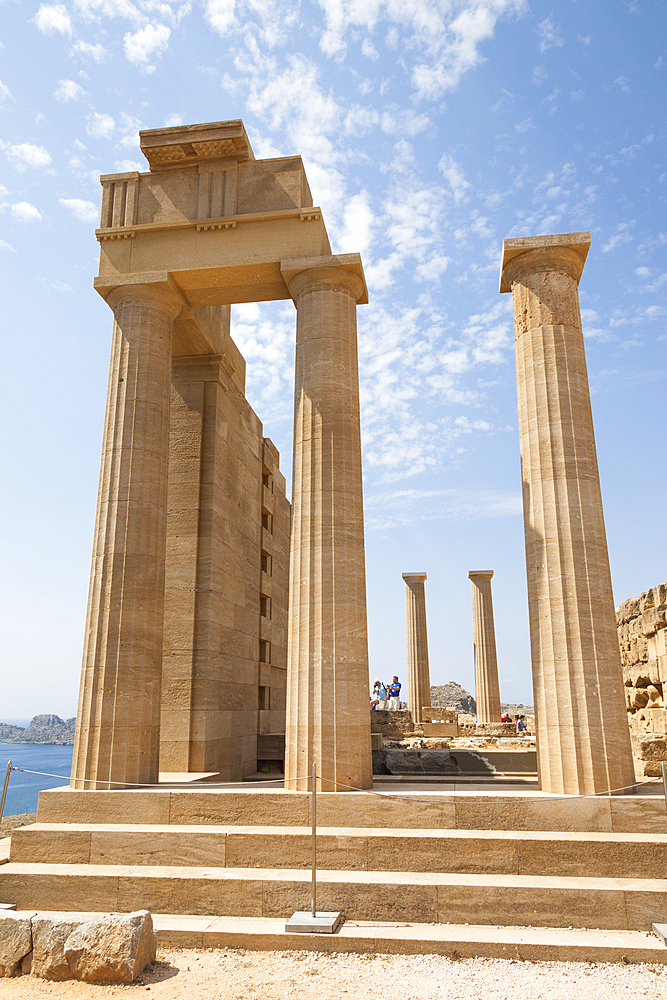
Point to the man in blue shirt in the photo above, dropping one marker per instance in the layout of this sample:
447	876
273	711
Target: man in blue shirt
394	695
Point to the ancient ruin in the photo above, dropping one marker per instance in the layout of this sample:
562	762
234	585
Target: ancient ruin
186	650
583	738
419	681
487	688
642	637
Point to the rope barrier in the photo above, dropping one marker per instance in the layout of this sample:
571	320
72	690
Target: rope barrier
284	781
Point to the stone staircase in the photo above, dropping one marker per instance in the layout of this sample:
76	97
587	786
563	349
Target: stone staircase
488	859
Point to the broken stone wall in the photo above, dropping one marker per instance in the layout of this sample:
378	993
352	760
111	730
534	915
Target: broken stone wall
642	637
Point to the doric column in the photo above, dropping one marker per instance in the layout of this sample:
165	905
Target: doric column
582	731
419	681
118	718
328	718
487	689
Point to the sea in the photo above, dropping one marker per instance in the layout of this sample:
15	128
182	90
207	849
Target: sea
23	789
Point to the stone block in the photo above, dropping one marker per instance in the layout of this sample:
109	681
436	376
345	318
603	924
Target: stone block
443	729
117	947
649	746
496	729
49	935
15	941
376	741
436	713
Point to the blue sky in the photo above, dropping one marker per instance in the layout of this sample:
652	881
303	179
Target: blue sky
430	130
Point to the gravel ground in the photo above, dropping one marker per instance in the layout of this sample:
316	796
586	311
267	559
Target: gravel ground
239	975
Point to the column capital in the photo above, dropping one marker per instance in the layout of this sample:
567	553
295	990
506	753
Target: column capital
158	287
342	270
414	577
486	573
558	252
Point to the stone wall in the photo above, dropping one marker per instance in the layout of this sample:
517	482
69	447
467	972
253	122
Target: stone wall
642	637
227	564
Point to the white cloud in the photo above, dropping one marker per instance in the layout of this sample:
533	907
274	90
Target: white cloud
548	34
220	14
7	246
621	236
96	52
128	166
358	225
404	507
403	121
172	120
68	90
525	126
441	40
149	42
129	126
53	17
5	93
59	286
453	174
26	154
623	83
23	211
84	211
100	126
539	76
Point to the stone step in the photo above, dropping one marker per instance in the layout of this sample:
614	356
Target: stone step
608	855
530	944
403	807
537	900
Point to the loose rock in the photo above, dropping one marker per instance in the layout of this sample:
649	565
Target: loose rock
117	947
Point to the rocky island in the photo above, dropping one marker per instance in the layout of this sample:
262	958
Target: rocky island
42	729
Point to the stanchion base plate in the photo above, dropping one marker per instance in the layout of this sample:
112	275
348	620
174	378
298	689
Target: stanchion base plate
303	922
660	930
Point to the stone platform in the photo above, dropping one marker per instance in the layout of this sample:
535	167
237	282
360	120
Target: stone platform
412	854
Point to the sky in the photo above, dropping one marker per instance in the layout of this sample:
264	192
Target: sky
430	130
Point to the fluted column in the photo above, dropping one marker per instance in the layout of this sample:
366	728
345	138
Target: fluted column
419	681
117	737
487	689
328	718
582	731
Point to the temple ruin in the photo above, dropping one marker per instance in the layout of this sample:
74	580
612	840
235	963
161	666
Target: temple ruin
187	639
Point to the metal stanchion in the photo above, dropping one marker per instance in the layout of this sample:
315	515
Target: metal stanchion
4	790
303	922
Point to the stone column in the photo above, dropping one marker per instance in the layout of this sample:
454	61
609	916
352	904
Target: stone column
582	730
419	681
487	689
118	717
328	717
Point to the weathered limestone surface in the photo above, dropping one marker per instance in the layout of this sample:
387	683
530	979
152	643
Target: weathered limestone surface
115	948
117	737
582	735
224	668
15	942
49	936
419	681
642	638
487	688
327	700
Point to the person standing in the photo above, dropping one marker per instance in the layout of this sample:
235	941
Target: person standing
394	695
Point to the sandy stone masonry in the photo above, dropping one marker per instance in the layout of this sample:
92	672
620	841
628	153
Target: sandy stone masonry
185	664
419	681
487	688
583	740
642	638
